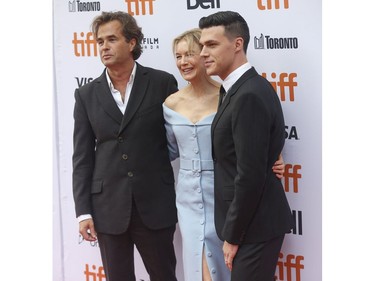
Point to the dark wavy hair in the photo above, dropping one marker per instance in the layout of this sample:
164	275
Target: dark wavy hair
130	28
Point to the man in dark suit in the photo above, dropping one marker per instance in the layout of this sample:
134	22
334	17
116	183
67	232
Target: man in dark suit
123	181
252	213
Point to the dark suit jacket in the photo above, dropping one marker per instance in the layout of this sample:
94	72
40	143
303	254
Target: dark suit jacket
116	158
247	138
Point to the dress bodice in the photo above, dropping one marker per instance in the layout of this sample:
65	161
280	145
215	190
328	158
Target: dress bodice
188	140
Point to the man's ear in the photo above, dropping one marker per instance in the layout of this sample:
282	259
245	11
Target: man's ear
239	43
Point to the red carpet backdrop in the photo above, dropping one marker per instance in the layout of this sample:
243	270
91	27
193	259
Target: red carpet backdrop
285	47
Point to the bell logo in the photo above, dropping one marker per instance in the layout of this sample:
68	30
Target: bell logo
284	82
134	4
211	4
84	44
272	4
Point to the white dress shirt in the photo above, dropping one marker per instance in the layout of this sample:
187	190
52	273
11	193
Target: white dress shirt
235	75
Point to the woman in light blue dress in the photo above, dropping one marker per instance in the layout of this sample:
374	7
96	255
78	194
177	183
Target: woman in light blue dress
188	115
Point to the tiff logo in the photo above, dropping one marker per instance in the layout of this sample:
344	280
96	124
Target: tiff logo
135	4
284	81
271	4
211	4
84	45
297	216
291	172
94	274
97	274
290	266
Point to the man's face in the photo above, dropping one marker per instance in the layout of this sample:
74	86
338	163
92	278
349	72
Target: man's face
218	51
113	48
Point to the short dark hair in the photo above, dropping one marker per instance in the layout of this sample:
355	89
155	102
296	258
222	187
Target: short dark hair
234	25
130	28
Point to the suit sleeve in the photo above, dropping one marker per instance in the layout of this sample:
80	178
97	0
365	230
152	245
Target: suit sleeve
172	85
171	139
172	142
251	132
83	157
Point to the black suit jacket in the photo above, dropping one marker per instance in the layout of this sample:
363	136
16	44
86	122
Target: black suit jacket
117	157
247	138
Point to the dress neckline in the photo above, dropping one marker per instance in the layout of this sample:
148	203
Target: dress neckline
187	119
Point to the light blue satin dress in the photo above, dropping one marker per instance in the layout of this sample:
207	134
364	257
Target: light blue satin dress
195	195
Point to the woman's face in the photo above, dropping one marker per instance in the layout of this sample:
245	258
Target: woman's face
188	61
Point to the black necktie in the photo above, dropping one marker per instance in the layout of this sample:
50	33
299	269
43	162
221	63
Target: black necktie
222	94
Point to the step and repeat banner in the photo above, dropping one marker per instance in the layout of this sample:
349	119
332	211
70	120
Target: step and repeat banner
285	48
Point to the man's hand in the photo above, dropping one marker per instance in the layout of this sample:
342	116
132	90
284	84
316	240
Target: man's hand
279	167
230	252
87	230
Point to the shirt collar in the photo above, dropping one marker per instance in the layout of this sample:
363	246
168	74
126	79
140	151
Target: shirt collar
131	78
235	75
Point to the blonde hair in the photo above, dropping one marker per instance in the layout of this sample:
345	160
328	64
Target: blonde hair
191	36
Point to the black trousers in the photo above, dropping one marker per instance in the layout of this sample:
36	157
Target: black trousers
154	246
257	261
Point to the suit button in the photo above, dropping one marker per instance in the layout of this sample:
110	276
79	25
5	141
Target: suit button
120	139
130	174
125	156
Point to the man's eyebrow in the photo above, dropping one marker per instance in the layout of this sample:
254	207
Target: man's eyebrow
211	41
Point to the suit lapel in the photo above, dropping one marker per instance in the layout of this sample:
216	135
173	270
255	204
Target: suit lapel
231	92
137	94
105	97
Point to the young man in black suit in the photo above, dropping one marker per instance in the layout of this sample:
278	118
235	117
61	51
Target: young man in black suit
123	181
252	213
